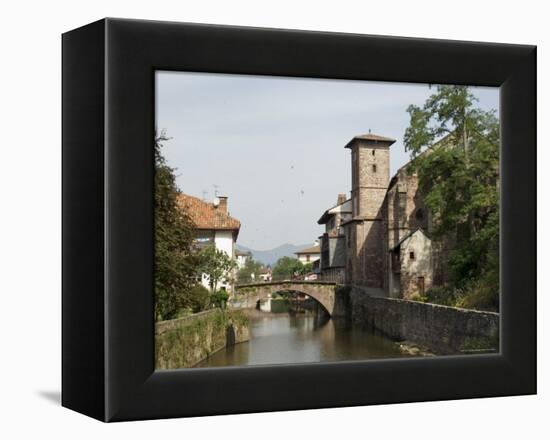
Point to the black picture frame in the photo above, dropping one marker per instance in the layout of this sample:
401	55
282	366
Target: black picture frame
108	128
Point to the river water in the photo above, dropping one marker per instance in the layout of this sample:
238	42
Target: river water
287	338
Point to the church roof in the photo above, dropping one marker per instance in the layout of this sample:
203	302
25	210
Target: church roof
206	215
406	236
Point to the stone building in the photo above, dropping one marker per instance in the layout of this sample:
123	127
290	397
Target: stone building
411	258
366	231
333	240
386	231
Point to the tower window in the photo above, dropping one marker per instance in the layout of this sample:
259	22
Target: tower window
373	151
374	168
411	255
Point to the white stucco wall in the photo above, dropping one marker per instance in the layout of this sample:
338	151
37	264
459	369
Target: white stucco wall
223	240
241	260
312	258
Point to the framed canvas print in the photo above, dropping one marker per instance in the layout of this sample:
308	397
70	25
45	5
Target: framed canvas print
262	219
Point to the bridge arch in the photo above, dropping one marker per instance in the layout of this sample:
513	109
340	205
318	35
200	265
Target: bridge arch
323	292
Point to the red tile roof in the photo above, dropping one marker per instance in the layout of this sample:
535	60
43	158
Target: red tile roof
206	215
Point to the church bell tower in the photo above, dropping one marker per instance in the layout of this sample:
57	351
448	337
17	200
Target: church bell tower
370	173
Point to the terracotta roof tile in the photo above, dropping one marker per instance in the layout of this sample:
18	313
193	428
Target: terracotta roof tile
207	216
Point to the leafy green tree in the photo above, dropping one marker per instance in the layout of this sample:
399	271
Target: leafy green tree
459	177
175	263
306	268
251	271
217	265
219	298
286	268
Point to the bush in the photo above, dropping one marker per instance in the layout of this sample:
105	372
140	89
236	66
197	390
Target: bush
219	298
444	295
182	313
418	297
199	298
482	294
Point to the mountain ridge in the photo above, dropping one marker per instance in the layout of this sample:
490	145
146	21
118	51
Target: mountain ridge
270	256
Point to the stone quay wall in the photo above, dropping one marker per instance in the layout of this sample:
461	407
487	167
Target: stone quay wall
441	329
184	342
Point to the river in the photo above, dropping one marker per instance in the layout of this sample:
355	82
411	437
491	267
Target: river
280	338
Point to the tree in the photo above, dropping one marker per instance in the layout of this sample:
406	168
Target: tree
199	298
217	265
286	268
459	178
175	262
251	267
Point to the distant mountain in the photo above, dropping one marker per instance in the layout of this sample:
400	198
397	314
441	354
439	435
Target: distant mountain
270	256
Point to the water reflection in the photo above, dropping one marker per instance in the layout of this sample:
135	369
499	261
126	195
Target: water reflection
285	338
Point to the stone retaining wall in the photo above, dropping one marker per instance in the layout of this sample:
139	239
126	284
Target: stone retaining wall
184	342
442	329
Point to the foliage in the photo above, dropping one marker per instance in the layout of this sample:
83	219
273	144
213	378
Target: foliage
216	265
444	295
251	271
287	268
459	177
199	298
219	298
481	291
418	297
306	268
175	262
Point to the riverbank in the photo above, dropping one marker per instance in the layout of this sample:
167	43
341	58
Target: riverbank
184	342
440	329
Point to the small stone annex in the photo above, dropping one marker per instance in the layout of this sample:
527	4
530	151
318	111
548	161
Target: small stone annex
380	237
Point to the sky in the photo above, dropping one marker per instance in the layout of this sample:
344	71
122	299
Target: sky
275	145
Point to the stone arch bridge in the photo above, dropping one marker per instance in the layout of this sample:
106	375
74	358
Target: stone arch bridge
324	292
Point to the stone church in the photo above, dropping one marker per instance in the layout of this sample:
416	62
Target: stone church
383	230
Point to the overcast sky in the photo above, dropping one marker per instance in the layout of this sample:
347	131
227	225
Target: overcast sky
275	146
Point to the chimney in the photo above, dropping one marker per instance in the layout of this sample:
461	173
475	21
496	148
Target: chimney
223	204
341	198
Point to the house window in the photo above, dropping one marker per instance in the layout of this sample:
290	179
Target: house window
307	257
411	255
419	215
374	168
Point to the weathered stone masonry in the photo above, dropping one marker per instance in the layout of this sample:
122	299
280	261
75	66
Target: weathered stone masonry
184	342
442	329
